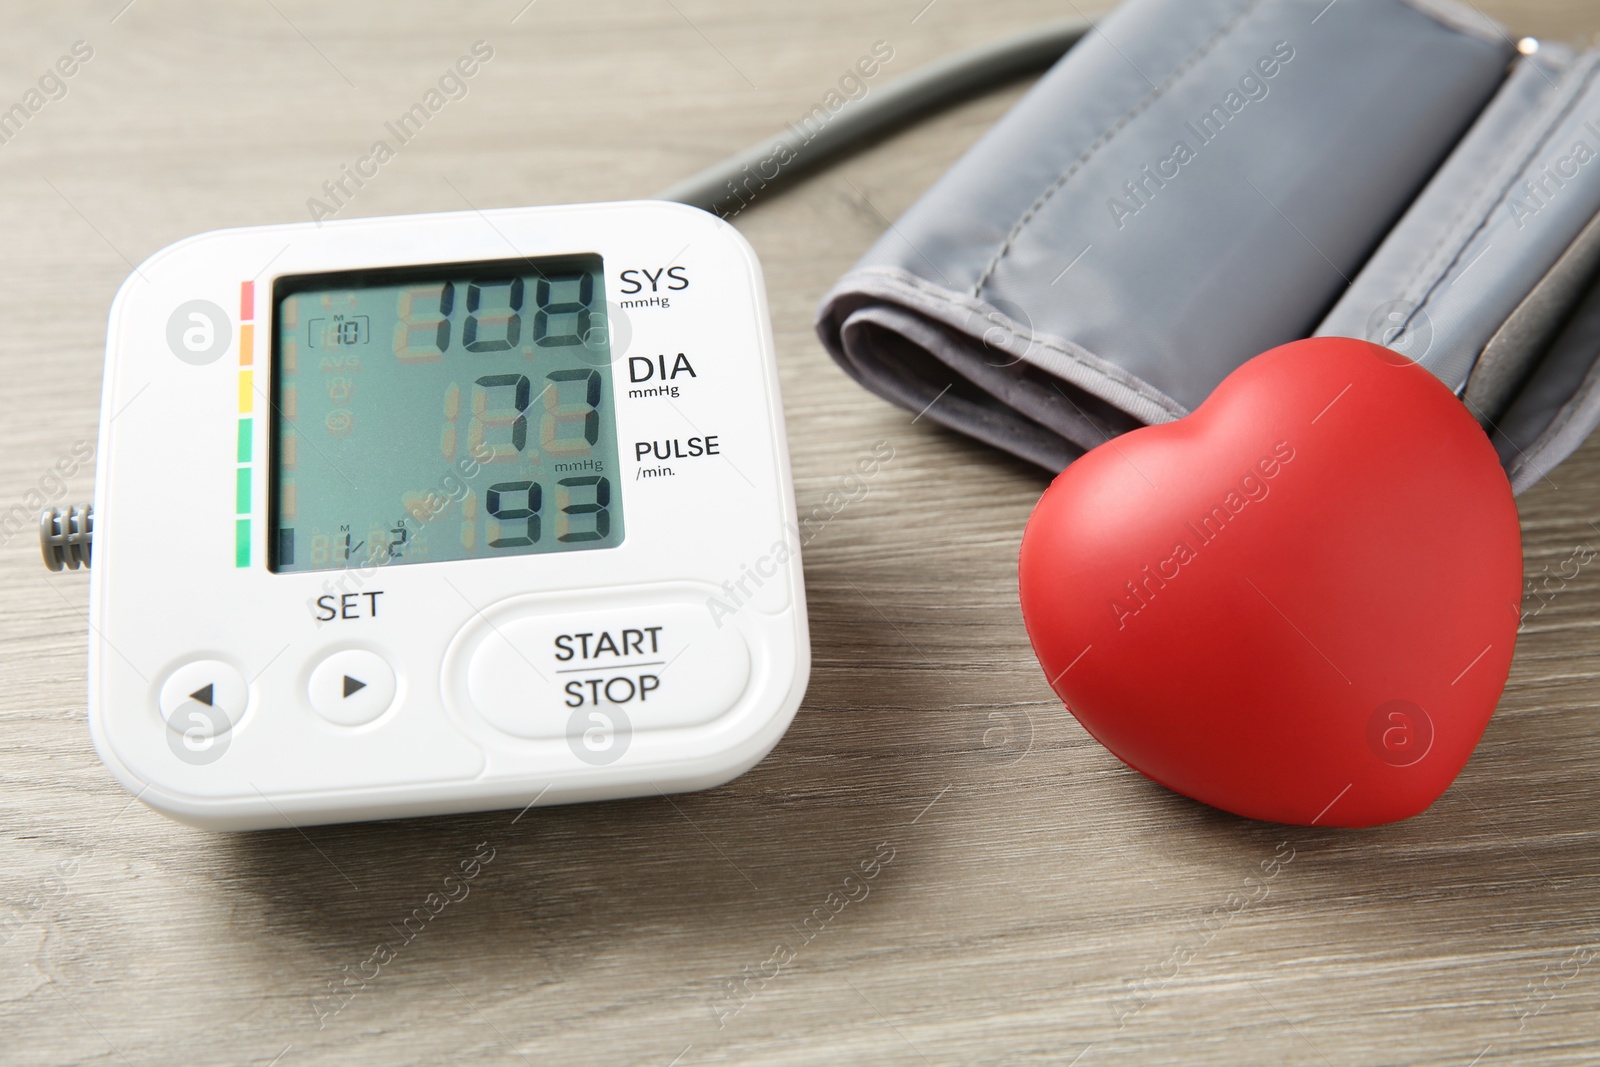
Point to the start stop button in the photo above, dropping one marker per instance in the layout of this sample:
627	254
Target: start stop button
662	663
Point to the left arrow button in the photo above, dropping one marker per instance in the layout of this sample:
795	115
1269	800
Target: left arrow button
209	683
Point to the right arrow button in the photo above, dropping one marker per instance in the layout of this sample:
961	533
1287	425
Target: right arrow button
351	687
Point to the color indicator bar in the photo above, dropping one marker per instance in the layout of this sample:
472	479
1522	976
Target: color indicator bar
245	449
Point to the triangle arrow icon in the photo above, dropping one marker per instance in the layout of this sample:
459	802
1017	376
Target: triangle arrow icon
351	685
205	695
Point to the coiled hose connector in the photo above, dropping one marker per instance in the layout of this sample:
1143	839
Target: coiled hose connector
66	537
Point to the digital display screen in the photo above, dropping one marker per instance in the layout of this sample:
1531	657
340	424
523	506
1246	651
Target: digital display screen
442	413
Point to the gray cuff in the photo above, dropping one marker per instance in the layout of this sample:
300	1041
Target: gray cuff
1480	280
1196	182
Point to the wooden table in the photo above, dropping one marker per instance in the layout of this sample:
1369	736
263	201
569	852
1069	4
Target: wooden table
1030	900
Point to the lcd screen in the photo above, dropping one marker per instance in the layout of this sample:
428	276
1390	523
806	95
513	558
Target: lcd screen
423	414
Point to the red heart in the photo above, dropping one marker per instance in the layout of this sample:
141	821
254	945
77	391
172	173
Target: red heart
1298	603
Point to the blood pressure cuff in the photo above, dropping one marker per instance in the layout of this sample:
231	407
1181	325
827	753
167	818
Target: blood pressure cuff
1201	180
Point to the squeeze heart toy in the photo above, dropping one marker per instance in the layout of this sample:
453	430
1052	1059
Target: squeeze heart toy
1299	602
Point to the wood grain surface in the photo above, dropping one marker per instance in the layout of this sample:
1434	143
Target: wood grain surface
1018	896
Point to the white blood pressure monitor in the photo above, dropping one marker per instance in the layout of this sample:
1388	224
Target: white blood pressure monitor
441	513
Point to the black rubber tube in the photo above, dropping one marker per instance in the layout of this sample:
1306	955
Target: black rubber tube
866	118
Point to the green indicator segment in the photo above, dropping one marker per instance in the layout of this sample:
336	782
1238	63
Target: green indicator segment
245	437
241	543
243	492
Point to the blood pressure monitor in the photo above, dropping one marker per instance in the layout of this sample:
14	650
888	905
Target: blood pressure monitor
441	513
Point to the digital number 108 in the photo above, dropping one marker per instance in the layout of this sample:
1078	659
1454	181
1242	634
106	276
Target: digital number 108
563	315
